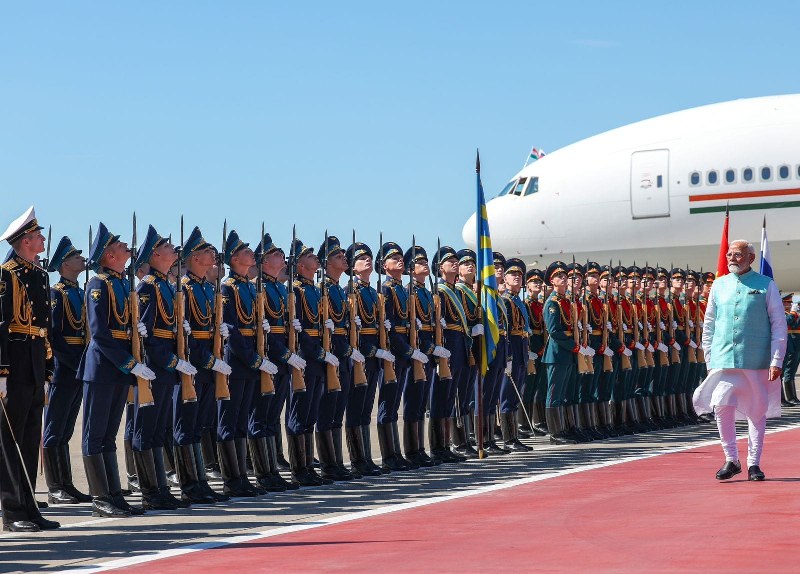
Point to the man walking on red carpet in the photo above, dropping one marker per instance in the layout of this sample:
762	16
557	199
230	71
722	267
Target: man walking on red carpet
744	340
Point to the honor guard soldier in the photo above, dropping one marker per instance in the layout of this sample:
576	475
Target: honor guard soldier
304	404
24	356
594	409
537	389
792	356
664	346
679	371
239	314
456	339
518	333
691	300
194	417
390	393
157	311
467	262
362	398
578	389
333	404
603	317
415	261
108	369
560	353
273	269
68	340
650	320
631	312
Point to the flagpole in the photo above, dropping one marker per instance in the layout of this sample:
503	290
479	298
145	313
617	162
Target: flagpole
479	385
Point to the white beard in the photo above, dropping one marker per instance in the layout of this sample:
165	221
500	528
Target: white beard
733	268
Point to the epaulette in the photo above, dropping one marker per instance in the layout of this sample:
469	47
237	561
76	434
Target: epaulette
229	281
149	279
10	265
59	286
184	280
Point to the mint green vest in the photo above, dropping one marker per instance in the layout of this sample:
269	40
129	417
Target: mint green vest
742	333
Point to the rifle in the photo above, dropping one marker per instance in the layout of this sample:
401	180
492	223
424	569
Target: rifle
663	358
444	364
86	335
586	327
698	327
641	357
221	390
332	372
690	354
188	392
675	357
267	383
646	334
608	365
625	362
419	368
137	349
45	264
389	376
298	380
576	332
359	372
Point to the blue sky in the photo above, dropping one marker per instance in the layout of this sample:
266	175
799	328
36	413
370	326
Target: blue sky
360	115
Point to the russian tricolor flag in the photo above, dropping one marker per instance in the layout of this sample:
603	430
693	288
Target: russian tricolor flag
766	259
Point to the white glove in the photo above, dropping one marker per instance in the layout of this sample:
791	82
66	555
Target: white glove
674	324
609	326
650	347
639	346
442	322
225	330
608	352
582	351
509	367
627	352
419	324
296	361
676	346
624	327
358	321
3	387
387	325
331	359
385	355
143	372
221	367
329	324
649	326
532	356
268	367
142	329
640	325
691	324
186	367
297	326
439	351
590	352
265	326
187	329
692	344
357	356
663	348
662	326
477	330
580	326
418	355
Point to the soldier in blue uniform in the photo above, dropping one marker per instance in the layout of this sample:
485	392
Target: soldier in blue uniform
273	269
333	404
362	398
193	418
157	311
390	393
415	261
68	340
560	353
456	339
25	355
303	410
462	436
518	333
234	421
107	370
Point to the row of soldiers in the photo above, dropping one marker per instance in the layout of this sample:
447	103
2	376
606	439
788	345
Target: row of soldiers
203	367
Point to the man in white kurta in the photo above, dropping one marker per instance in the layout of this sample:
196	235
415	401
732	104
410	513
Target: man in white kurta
744	340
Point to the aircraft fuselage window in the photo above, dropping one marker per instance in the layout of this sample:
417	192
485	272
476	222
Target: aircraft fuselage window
798	172
712	177
509	186
518	189
747	174
783	172
766	173
694	179
659	181
533	186
730	176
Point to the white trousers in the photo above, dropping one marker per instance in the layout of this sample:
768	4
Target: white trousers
726	423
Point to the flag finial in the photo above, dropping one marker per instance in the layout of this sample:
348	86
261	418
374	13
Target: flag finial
477	161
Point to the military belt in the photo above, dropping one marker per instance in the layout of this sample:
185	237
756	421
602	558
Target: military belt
401	330
628	331
202	335
277	330
519	333
568	332
794	331
27	330
596	332
74	340
120	334
163	333
247	332
427	328
369	331
312	332
340	331
536	332
454	327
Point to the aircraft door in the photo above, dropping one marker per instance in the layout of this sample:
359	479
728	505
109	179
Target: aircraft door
650	183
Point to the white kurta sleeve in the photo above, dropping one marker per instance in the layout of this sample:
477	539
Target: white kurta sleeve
708	326
778	329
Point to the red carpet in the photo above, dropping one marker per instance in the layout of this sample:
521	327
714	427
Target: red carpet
663	514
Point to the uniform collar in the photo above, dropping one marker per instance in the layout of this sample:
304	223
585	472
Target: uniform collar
158	274
361	283
20	260
67	282
238	277
303	281
268	277
195	278
111	272
392	281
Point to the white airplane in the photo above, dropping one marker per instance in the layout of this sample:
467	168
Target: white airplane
655	191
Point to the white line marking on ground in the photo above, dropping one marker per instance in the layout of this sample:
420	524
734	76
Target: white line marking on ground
134	560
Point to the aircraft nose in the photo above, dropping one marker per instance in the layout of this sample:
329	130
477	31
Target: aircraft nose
468	233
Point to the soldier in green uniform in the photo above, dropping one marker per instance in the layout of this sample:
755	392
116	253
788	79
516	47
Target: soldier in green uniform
792	357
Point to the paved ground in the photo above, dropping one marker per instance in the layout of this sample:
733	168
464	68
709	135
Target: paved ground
84	541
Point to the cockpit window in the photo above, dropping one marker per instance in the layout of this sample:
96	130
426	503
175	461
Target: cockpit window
518	189
509	186
533	186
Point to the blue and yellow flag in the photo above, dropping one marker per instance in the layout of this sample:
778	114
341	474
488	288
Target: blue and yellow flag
486	279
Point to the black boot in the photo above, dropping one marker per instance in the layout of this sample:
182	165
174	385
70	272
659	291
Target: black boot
147	471
297	462
635	417
130	467
556	423
411	445
229	468
590	424
645	413
103	503
451	455
283	464
606	414
490	445
202	477
186	469
65	465
366	436
539	426
355	448
160	458
241	459
573	431
327	456
398	450
272	457
338	452
258	454
54	476
114	486
469	433
309	438
389	459
508	426
436	438
170	469
208	442
425	460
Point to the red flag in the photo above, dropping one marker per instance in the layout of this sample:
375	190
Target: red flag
722	260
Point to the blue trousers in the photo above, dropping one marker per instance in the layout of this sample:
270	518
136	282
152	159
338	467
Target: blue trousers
390	395
191	419
103	404
234	414
304	406
362	399
283	381
332	406
260	405
493	381
150	423
61	412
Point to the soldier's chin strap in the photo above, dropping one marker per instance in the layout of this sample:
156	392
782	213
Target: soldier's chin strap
19	452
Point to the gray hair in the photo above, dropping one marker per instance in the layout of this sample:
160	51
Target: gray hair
745	243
